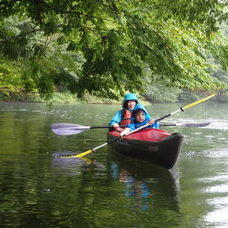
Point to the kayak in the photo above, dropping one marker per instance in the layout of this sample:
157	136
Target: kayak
149	144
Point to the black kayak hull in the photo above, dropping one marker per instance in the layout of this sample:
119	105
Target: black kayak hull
164	153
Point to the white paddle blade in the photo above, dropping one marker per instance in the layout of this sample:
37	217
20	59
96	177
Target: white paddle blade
68	129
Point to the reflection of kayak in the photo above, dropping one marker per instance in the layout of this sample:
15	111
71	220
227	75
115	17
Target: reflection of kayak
158	187
151	145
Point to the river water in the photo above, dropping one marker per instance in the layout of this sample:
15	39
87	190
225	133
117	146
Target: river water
39	188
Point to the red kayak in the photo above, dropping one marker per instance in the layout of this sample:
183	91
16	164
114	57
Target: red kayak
149	144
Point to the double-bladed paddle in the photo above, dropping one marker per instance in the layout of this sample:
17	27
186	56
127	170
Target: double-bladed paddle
142	127
73	129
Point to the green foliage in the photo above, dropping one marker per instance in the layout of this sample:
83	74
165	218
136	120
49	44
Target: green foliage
102	48
188	96
162	94
18	38
10	77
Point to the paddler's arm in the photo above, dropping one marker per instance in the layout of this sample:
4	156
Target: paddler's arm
115	119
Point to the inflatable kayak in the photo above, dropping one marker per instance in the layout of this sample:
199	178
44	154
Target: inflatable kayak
150	144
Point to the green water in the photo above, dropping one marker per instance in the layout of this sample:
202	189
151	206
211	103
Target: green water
38	188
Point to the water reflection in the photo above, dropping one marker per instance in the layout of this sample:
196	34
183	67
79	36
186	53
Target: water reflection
146	184
133	188
61	161
218	216
72	166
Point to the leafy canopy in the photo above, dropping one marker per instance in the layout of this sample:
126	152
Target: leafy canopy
103	46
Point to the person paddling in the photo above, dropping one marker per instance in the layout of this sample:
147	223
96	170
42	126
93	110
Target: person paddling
124	116
140	119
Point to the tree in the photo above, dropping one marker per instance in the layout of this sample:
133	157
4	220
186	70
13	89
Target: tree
111	42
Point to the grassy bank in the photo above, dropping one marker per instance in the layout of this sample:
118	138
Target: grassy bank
57	98
61	98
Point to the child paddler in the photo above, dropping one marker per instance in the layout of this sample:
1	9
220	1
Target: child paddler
140	119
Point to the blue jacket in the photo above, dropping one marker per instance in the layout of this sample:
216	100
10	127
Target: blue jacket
136	124
118	115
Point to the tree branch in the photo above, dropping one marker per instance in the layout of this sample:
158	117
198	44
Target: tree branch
75	12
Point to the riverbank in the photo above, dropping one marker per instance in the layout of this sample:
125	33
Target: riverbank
61	98
68	98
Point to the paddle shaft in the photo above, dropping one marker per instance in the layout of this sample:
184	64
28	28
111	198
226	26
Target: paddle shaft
85	127
96	127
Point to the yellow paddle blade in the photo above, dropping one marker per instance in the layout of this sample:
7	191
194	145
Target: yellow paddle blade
197	102
79	155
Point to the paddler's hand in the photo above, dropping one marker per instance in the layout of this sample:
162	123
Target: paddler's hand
151	122
115	125
124	132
